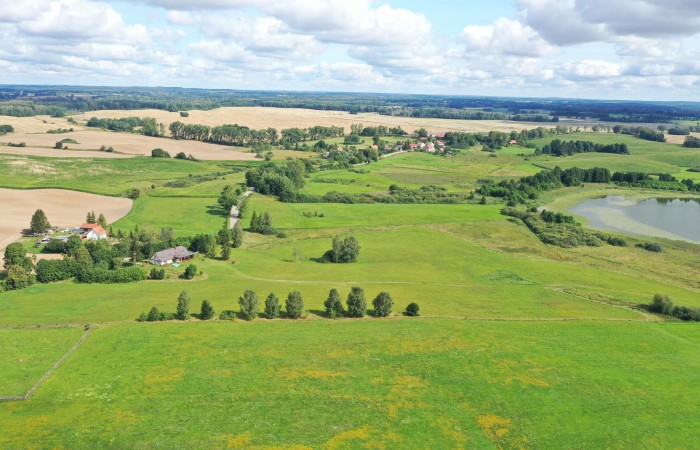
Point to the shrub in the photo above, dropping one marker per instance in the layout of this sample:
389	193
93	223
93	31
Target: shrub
159	153
662	304
190	272
412	309
295	305
249	305
333	304
207	311
345	251
227	315
48	270
156	274
650	247
272	306
357	305
382	304
153	315
184	114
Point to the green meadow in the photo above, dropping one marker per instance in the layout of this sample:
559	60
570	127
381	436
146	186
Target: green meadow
519	344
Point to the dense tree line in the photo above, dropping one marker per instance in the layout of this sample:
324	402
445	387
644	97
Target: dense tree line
281	180
641	132
563	148
147	125
529	188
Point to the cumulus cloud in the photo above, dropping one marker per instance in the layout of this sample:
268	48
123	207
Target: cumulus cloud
565	22
506	36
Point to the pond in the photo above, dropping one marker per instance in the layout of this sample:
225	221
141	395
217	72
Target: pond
677	218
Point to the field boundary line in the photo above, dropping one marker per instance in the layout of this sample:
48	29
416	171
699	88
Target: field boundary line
49	372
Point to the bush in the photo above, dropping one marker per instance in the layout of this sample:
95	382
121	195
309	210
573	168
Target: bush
650	247
102	275
54	246
153	315
382	304
156	274
48	270
190	272
295	305
159	153
227	315
345	251
412	309
357	305
249	305
184	114
662	304
207	311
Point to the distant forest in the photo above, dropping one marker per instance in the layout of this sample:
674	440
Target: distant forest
62	101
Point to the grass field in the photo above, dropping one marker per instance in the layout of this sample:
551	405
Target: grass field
401	383
519	344
26	354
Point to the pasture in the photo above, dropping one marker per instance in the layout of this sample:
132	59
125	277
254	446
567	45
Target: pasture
435	383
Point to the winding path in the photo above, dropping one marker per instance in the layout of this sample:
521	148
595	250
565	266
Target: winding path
234	209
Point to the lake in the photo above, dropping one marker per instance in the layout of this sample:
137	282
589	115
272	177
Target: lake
661	217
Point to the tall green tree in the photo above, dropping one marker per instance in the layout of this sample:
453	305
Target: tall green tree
91	217
39	222
183	306
249	305
102	220
295	305
17	278
206	311
15	255
357	305
226	251
237	237
272	306
382	304
333	304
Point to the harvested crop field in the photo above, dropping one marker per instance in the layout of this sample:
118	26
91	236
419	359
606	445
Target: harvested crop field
63	209
280	118
124	145
678	139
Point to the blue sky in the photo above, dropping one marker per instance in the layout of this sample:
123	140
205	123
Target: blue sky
624	49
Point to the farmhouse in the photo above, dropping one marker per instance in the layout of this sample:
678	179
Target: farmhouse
171	255
93	231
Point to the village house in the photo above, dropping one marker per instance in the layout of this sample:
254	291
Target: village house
93	231
171	255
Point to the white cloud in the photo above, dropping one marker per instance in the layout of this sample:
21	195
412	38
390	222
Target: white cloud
506	36
592	69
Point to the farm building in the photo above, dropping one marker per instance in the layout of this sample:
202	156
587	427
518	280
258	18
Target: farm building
93	231
171	255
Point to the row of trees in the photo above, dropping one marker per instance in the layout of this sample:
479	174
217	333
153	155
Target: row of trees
147	126
641	132
249	303
663	304
564	148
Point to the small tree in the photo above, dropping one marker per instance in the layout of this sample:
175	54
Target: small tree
183	306
295	305
226	251
91	217
39	222
249	305
272	306
153	315
382	304
237	236
357	305
333	304
190	272
412	309
207	311
157	274
15	256
102	221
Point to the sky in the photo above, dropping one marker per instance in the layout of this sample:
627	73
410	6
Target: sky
608	49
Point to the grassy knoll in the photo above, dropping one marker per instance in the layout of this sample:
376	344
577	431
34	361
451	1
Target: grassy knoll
26	354
406	383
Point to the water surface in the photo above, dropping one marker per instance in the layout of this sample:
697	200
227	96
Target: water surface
677	218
